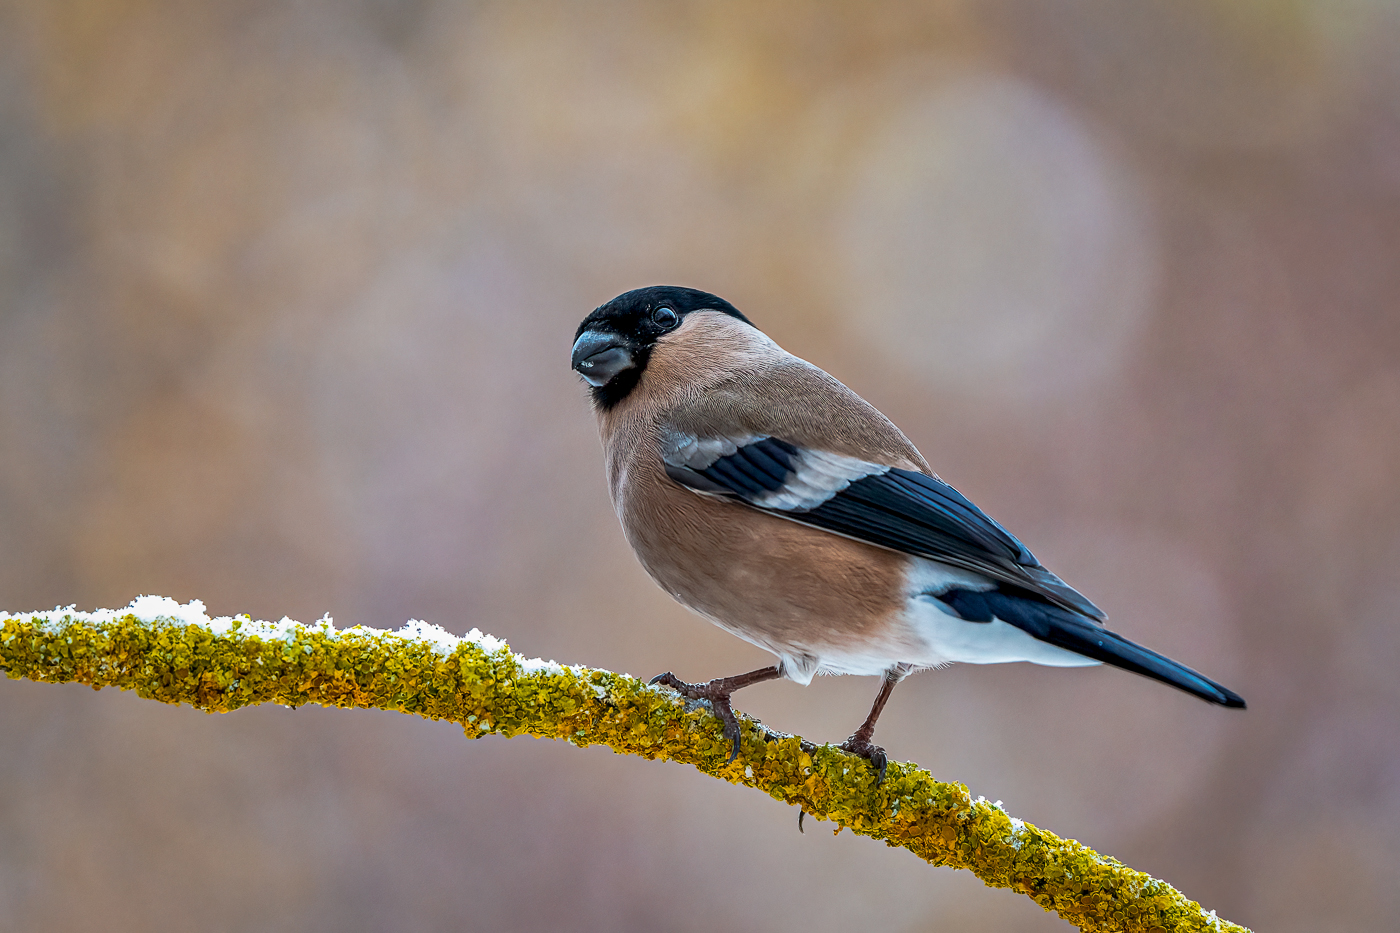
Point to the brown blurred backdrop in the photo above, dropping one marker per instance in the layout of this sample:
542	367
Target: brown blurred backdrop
286	298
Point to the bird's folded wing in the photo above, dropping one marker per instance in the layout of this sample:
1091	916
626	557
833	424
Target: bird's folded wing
886	506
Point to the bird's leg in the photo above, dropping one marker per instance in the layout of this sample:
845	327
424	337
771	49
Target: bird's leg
859	743
717	692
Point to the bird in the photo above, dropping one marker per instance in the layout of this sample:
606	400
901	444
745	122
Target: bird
767	497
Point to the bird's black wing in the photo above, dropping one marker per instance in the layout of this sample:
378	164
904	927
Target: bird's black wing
886	506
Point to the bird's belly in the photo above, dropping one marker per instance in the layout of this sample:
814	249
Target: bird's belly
803	594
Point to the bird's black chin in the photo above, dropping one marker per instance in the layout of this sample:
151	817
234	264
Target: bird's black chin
610	363
616	389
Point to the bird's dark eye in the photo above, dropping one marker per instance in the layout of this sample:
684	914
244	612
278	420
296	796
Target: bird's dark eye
665	317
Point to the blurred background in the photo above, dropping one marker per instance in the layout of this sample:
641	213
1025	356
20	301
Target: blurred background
287	292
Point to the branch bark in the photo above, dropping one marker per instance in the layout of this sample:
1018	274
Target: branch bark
175	654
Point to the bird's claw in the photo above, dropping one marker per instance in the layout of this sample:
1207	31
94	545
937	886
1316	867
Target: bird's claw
719	703
736	738
669	680
862	746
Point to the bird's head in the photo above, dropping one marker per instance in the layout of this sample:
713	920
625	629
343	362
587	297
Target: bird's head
614	343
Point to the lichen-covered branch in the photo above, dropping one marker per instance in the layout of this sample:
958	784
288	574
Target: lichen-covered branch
175	654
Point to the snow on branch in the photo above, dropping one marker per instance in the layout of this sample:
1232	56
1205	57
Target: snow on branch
177	654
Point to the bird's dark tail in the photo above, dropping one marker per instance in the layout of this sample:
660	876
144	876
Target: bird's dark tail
1073	632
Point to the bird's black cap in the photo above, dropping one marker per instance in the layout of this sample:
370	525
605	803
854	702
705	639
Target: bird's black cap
630	308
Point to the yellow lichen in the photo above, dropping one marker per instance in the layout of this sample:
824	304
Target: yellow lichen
489	690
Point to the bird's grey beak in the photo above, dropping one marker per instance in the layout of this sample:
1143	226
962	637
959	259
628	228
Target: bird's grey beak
598	357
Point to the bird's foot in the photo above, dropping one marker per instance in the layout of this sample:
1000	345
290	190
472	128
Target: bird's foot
861	745
717	692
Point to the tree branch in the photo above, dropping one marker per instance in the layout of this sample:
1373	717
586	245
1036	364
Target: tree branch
175	654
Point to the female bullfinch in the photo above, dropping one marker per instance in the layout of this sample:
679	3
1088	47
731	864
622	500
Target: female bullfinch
766	496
